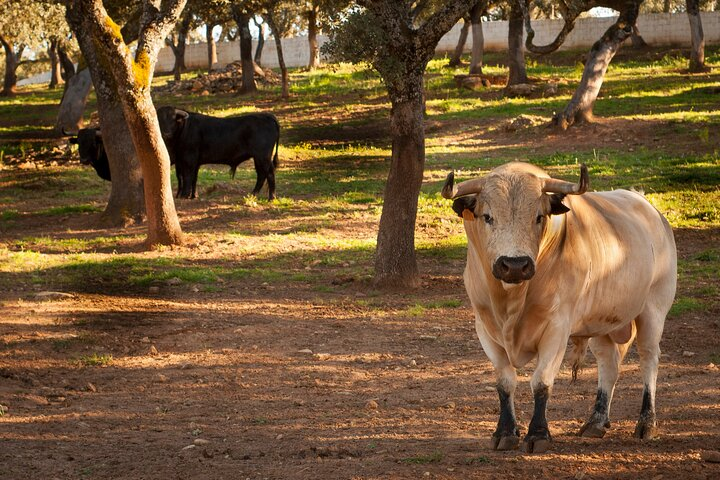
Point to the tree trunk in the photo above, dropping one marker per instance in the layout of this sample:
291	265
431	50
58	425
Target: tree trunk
260	43
178	48
126	204
314	61
516	51
72	105
478	40
602	52
11	65
163	223
212	46
697	49
68	68
248	70
666	6
55	73
456	59
281	59
636	40
395	262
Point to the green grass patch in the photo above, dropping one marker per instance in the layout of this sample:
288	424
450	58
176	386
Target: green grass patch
96	360
683	305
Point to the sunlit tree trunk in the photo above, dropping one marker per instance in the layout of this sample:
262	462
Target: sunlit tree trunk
281	59
478	40
67	67
516	48
242	19
260	43
126	203
132	75
602	52
12	61
55	70
211	46
697	48
314	61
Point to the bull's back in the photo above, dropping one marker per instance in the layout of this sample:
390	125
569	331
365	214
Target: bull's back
623	252
232	140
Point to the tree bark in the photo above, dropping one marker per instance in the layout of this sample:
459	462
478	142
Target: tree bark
72	105
281	59
68	68
395	262
478	40
666	6
126	203
636	40
12	61
55	70
456	58
314	61
516	52
260	43
242	19
581	104
697	49
211	45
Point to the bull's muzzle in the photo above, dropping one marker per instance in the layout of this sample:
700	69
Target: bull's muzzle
513	269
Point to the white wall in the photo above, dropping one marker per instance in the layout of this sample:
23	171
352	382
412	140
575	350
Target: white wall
656	29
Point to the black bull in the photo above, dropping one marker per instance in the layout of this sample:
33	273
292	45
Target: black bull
193	140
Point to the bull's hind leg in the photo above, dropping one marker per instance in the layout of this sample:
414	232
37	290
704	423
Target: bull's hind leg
650	325
271	182
261	176
506	435
609	356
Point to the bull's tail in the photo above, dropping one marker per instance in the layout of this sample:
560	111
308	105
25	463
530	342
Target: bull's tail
276	162
577	355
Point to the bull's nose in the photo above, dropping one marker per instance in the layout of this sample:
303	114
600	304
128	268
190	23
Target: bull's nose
514	269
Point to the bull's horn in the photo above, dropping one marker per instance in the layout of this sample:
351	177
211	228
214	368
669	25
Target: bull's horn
181	114
66	133
468	187
553	185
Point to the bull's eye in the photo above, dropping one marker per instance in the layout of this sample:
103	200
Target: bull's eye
539	219
488	219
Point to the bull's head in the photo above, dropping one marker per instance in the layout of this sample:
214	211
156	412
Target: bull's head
511	206
171	120
89	142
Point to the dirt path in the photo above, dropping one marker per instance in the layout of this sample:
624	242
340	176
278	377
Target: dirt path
283	383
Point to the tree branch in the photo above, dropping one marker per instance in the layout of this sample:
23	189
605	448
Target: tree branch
442	21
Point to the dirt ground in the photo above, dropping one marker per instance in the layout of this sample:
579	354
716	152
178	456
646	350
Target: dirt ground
282	381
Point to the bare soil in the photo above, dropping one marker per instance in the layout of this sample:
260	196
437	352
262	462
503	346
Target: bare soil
285	381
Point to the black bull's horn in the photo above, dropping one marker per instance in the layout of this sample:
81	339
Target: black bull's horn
550	185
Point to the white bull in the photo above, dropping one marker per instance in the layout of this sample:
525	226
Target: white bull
543	268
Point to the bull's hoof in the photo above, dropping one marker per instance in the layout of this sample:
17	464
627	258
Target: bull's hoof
593	429
505	442
538	442
646	429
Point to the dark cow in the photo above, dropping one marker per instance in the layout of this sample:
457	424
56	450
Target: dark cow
193	139
92	152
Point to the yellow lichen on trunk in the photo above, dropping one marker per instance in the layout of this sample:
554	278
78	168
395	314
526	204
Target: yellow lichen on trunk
114	28
141	69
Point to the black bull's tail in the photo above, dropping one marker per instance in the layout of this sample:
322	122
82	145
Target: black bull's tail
276	162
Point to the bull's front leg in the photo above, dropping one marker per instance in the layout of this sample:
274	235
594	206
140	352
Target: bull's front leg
551	351
506	435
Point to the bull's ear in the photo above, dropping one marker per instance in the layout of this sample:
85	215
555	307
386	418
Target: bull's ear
465	203
73	140
556	205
